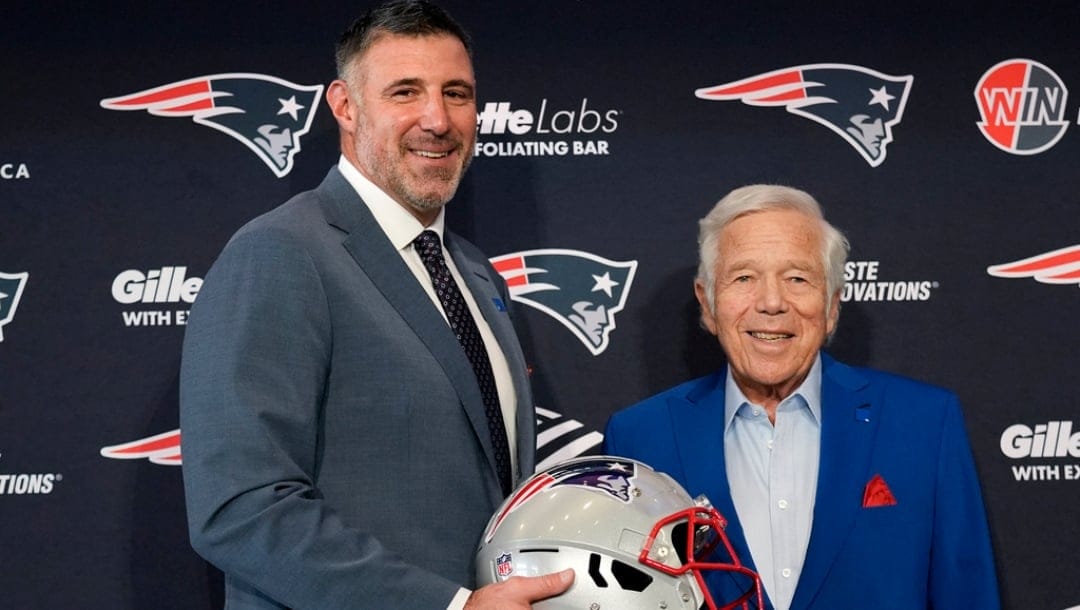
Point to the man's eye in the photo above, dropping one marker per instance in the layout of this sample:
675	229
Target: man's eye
456	94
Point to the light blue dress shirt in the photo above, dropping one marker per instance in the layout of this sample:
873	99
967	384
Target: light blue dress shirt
773	472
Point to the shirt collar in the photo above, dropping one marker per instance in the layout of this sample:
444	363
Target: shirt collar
398	224
809	391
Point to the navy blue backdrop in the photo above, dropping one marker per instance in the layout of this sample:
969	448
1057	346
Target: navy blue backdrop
941	139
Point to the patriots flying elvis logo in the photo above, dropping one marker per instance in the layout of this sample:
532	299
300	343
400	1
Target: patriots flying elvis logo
582	291
266	113
163	449
1061	266
605	474
858	104
11	289
610	475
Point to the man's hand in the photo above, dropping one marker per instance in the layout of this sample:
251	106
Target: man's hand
518	592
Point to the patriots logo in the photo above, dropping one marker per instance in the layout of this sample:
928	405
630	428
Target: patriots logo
858	104
605	474
266	113
1060	266
580	290
610	475
11	288
163	449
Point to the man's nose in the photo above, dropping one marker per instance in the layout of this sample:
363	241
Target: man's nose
435	117
771	296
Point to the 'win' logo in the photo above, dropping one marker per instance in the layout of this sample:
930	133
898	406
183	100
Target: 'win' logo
1022	104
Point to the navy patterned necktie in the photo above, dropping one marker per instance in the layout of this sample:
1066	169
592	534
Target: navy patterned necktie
461	322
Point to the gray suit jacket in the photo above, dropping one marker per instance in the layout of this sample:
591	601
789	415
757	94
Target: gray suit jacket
335	446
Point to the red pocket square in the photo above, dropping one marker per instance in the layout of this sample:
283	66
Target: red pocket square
877	493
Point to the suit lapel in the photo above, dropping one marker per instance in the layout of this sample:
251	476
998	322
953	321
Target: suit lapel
698	421
849	422
382	264
493	307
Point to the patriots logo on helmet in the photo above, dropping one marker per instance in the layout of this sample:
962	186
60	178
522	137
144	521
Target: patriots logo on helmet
1061	266
11	289
609	475
580	290
858	104
266	113
612	476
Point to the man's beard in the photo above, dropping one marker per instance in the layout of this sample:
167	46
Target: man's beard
400	185
430	200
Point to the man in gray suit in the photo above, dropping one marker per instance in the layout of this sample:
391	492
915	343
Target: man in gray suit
337	449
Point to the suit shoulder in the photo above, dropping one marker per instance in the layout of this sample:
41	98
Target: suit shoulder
657	403
908	399
901	383
299	211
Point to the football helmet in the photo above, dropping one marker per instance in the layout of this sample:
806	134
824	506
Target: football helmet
634	537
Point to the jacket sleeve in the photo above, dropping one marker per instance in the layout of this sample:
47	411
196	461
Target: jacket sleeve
962	573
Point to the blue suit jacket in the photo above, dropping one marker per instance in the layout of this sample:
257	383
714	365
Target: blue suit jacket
335	445
930	550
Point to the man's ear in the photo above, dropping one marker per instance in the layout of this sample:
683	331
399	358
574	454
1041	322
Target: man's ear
341	105
834	314
707	319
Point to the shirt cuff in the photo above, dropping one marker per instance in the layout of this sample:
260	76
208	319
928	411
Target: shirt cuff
458	603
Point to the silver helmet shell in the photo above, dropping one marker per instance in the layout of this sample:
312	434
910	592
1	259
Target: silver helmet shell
622	527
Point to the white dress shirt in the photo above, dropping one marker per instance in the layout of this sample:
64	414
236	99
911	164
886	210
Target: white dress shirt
773	472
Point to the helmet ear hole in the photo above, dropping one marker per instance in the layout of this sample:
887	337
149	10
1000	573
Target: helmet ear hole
594	571
629	577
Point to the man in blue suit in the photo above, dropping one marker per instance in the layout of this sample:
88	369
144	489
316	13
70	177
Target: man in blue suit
340	449
844	487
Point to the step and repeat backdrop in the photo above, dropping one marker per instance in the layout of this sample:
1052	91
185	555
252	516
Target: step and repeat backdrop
944	141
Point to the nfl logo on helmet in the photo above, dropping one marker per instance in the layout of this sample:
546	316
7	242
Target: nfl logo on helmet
504	565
